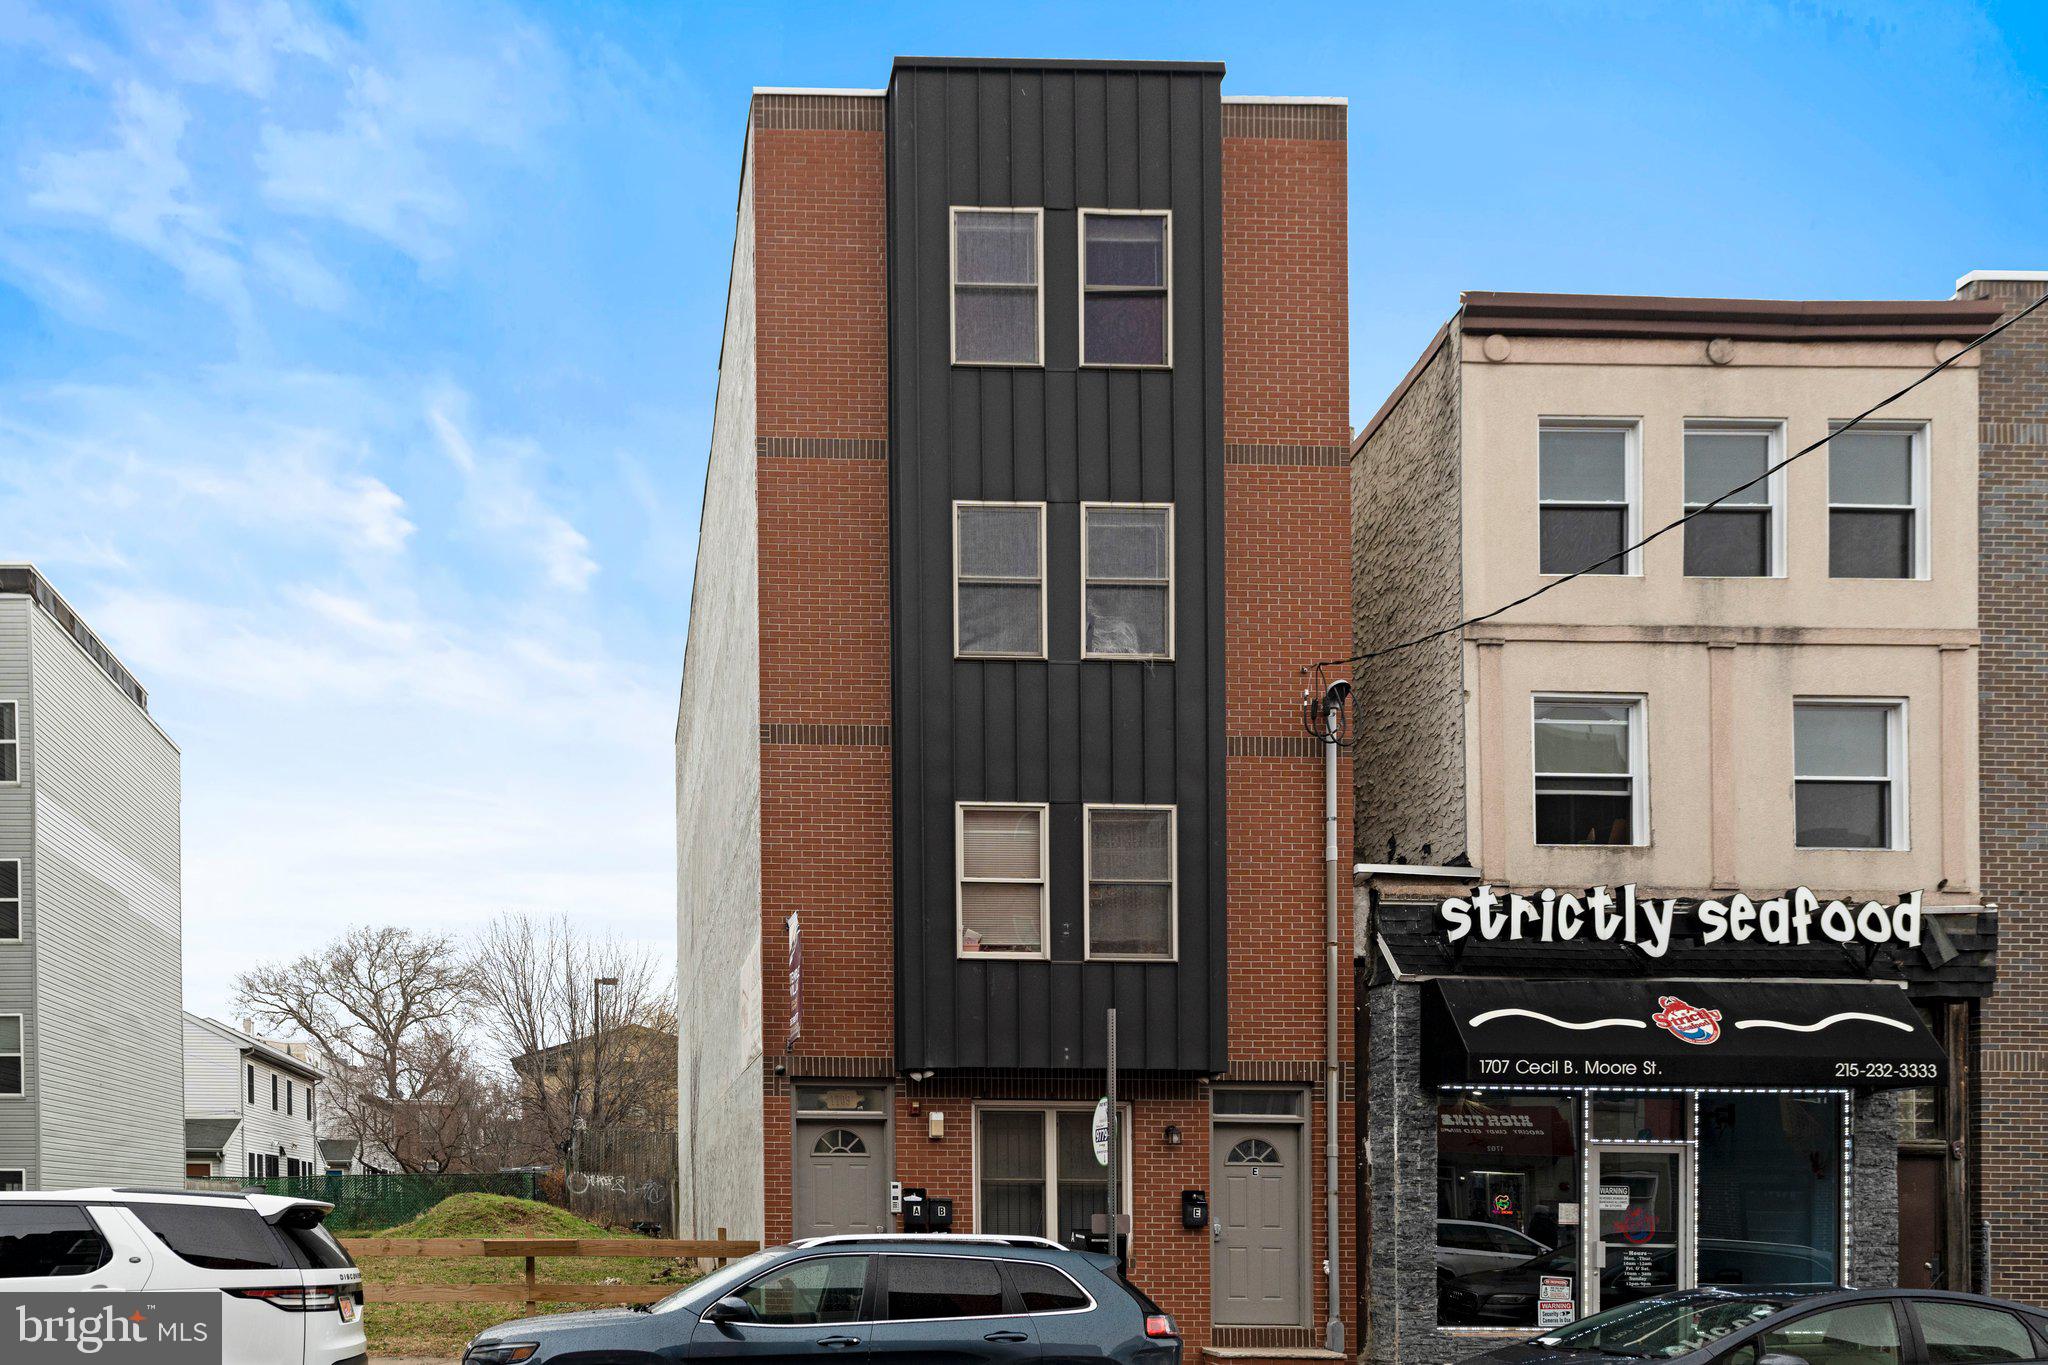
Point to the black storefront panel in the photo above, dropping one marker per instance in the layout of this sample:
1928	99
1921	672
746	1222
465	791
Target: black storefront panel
1652	1034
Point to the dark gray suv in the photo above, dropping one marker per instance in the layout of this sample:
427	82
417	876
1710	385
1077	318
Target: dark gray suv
910	1300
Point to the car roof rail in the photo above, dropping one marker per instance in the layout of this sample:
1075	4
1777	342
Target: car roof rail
941	1238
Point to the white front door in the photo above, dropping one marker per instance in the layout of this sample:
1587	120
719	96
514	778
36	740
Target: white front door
1642	1241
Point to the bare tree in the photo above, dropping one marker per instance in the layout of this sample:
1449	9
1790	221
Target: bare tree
580	1054
389	1009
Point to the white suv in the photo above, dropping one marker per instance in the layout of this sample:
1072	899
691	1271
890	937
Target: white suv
289	1294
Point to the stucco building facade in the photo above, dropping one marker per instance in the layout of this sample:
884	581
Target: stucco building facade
1585	822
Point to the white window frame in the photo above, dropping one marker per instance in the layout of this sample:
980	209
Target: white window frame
20	1179
960	880
953	285
21	1028
1895	767
1087	581
1631	479
1172	953
1638	762
1082	288
1043	592
19	899
1774	486
1917	455
11	705
1051	1109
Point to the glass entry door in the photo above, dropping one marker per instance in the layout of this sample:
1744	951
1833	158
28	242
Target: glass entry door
1641	1196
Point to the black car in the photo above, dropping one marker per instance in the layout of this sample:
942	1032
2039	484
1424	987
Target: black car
911	1300
1796	1325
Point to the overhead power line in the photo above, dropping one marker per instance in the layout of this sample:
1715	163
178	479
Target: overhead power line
1457	626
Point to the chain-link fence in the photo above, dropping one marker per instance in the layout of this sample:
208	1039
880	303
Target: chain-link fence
366	1203
623	1178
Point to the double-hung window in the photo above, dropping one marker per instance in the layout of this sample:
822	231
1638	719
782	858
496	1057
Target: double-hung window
1877	482
1126	297
1849	788
10	741
999	580
1737	536
1131	852
998	290
10	899
1127	577
1586	485
1590	783
12	1081
1002	858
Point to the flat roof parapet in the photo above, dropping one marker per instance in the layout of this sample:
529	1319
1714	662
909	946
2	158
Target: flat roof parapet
24	580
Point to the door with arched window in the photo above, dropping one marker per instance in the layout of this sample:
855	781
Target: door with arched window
842	1183
1257	1216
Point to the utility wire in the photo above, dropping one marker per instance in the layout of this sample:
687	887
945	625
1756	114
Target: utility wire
1626	550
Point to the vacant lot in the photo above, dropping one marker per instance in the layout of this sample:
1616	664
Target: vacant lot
438	1331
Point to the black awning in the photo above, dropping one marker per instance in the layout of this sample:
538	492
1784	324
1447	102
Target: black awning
1826	1035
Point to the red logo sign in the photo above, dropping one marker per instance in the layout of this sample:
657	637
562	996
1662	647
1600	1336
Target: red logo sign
1638	1224
1687	1023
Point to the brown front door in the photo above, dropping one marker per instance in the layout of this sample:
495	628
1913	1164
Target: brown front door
1923	1220
198	1169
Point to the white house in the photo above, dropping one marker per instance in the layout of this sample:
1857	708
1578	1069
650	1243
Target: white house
251	1105
90	922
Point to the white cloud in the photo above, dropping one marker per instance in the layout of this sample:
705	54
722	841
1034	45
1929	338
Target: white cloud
244	45
154	465
385	163
295	270
502	501
140	190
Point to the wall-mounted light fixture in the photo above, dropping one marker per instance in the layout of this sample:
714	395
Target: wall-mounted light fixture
935	1125
1173	1135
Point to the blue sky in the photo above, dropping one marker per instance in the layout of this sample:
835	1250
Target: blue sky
356	361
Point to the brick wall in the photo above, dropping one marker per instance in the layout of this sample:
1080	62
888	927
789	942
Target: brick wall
2012	386
1406	578
1286	424
822	395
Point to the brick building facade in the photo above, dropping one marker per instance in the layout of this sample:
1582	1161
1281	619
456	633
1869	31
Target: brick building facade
2011	1211
839	740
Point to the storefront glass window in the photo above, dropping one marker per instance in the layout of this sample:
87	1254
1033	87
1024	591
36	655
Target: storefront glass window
1638	1118
1507	1206
1770	1181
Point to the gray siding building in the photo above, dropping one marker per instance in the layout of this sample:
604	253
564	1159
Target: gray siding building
91	1052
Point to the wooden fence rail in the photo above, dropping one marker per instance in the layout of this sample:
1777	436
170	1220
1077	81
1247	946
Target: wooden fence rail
717	1250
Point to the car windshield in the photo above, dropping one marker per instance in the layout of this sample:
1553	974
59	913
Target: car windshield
1656	1328
701	1294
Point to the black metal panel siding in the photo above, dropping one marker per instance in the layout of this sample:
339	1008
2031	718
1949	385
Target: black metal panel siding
1060	731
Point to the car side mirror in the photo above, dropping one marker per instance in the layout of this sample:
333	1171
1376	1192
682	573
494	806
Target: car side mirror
733	1308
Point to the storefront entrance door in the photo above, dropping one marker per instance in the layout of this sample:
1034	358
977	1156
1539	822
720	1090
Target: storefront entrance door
1642	1197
